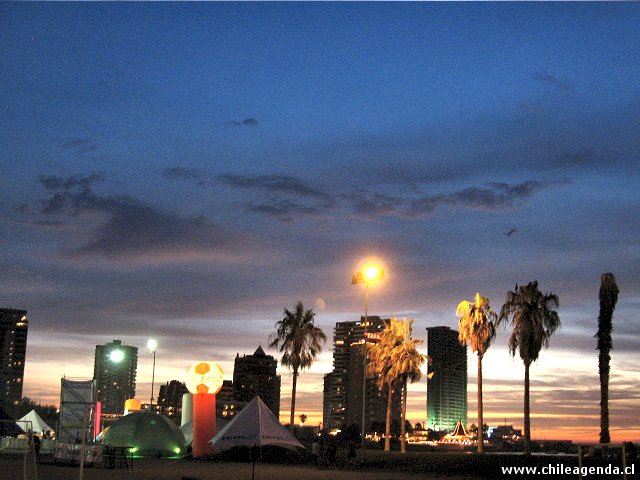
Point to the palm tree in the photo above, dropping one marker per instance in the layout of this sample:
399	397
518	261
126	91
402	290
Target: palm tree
300	341
608	298
477	327
533	319
407	363
396	360
380	365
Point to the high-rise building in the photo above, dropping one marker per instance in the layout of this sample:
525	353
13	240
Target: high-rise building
13	350
375	398
226	405
332	409
447	387
256	375
114	370
170	398
342	396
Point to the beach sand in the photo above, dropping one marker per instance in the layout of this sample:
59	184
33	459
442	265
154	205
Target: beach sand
160	469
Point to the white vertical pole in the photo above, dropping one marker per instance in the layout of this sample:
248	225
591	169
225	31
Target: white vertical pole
364	363
84	439
29	439
153	377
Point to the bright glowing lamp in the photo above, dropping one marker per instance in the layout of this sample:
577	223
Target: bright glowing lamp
152	345
371	273
116	356
367	275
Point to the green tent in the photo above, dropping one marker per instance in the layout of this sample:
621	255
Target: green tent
146	434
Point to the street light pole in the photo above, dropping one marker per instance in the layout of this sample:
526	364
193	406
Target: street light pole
152	345
364	364
366	276
153	377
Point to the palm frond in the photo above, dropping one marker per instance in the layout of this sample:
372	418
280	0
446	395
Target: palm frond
297	338
533	319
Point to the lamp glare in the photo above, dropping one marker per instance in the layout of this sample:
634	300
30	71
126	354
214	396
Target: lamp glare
371	273
116	356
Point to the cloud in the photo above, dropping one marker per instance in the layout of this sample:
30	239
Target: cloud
552	80
492	197
82	145
132	228
372	205
247	122
186	173
282	196
54	182
369	204
581	159
284	210
43	224
284	184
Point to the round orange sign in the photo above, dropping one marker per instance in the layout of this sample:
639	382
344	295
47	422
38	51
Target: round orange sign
204	377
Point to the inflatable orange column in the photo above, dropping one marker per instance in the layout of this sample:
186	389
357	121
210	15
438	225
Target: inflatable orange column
204	423
204	380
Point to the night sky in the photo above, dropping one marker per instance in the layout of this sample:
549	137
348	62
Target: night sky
186	171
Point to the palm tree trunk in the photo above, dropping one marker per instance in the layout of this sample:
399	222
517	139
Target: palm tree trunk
293	400
608	297
387	432
527	418
403	419
480	408
603	367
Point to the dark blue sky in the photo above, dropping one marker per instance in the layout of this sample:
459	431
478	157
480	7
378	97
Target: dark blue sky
187	170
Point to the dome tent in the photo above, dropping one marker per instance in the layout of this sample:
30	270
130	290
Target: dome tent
147	434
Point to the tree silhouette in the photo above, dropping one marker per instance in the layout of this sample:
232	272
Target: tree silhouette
608	298
300	341
477	327
533	320
395	360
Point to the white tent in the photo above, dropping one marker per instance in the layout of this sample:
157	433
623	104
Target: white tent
254	426
187	428
37	424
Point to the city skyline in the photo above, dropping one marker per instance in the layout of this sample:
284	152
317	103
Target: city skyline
184	172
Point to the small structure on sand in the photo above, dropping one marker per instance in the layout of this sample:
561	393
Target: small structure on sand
459	436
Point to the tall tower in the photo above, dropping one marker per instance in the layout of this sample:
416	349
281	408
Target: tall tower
13	349
342	396
447	388
256	375
170	398
114	370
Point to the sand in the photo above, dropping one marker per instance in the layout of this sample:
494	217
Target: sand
159	469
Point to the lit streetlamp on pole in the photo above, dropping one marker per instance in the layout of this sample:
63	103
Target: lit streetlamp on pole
152	345
367	275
